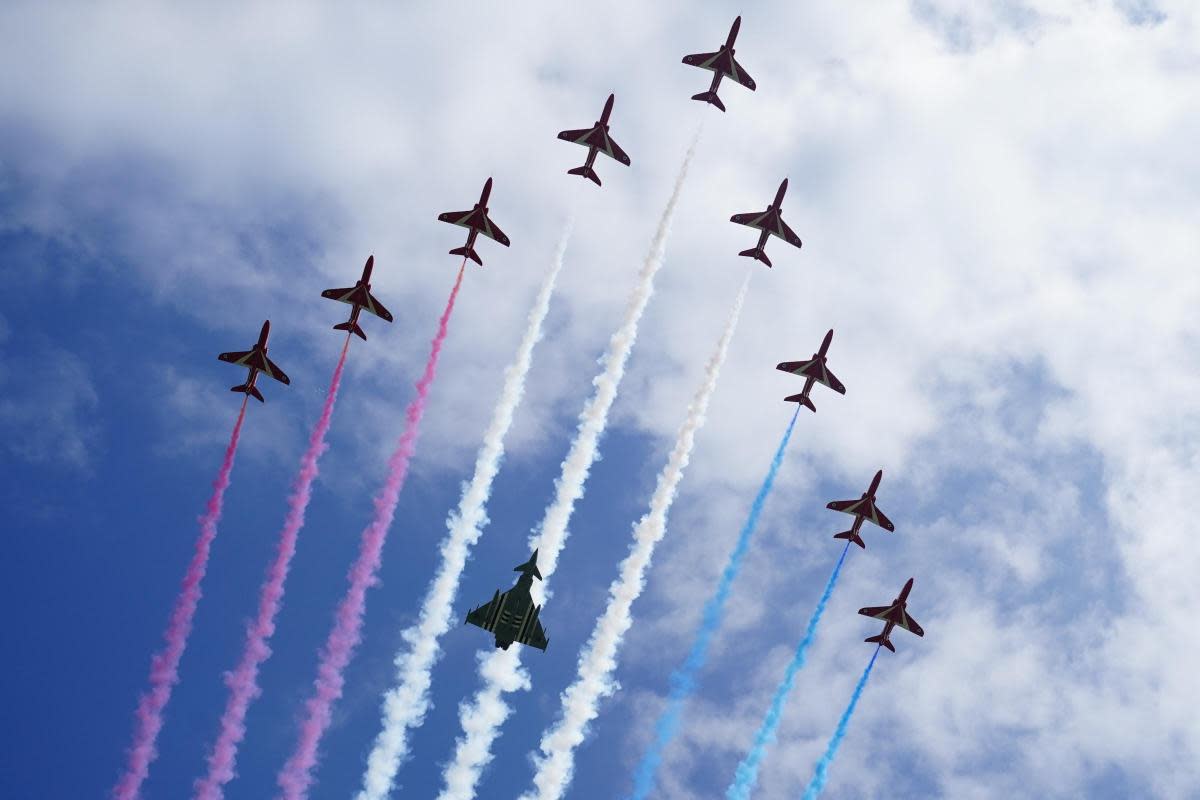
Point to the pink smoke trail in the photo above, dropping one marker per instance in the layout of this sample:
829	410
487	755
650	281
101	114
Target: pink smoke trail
243	681
164	666
296	776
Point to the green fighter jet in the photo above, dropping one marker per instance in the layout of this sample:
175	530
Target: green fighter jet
511	615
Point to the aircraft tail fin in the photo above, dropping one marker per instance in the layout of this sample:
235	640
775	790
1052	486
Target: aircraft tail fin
851	535
469	252
353	327
758	254
586	172
803	400
246	388
709	97
881	640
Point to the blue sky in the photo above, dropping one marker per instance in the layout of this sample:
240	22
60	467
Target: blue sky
998	203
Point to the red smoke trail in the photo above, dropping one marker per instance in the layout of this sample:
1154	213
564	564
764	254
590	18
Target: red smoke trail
243	681
296	776
164	666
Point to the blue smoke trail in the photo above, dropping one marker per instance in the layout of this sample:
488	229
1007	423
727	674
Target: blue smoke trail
818	781
747	772
683	680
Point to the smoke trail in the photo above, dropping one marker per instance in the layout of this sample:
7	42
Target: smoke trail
164	666
683	680
818	780
404	706
243	681
481	719
747	771
594	679
296	776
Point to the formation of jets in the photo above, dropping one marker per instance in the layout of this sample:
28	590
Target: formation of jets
511	616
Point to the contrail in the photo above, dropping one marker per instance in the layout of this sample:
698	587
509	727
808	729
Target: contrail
243	681
683	680
818	780
164	666
747	772
296	778
593	681
482	718
405	705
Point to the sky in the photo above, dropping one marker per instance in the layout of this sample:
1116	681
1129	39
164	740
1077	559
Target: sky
999	205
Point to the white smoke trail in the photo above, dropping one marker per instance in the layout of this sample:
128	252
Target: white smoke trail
598	661
405	705
481	719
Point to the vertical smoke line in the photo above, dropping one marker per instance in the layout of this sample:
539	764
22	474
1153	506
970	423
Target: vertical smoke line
683	680
243	680
594	681
747	772
405	705
296	778
482	718
164	666
822	772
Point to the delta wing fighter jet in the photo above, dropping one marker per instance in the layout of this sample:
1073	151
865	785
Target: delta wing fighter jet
256	361
771	223
511	615
862	509
813	371
476	221
359	298
893	615
596	140
722	64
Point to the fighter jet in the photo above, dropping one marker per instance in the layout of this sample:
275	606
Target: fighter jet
511	615
771	223
359	297
862	508
813	371
595	139
256	360
893	615
722	64
476	221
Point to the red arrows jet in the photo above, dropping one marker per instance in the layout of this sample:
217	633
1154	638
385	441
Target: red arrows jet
256	360
813	371
862	508
771	223
359	297
721	64
595	139
893	615
477	222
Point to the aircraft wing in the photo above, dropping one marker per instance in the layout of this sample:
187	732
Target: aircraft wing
753	220
880	519
239	357
787	234
581	136
376	308
909	624
535	636
462	218
346	295
492	231
875	612
702	60
739	74
271	369
614	151
848	506
485	616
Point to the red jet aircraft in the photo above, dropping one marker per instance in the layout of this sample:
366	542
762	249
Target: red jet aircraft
595	139
476	221
771	223
813	371
862	508
359	297
893	615
256	360
721	64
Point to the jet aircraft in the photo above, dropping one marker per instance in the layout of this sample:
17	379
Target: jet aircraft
476	221
595	139
721	64
359	297
862	508
771	223
893	615
256	361
511	615
813	371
